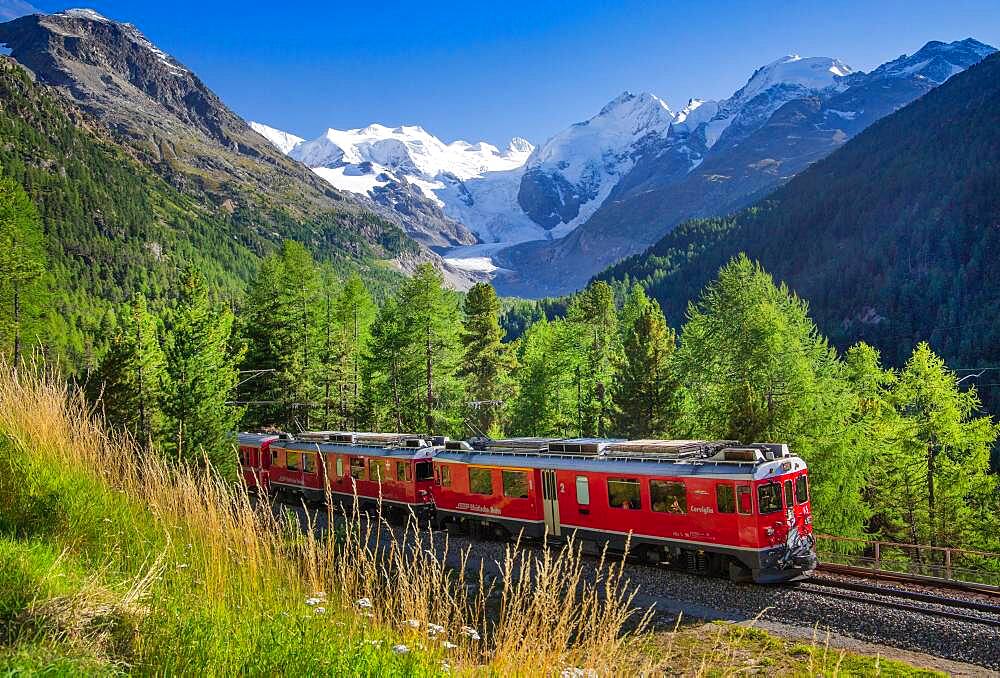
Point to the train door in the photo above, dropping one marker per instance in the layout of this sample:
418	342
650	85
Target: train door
550	502
745	520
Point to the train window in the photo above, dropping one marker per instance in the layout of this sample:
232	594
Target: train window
380	470
340	467
358	468
801	489
725	498
480	481
292	461
274	456
624	493
668	497
515	484
743	501
582	491
403	471
788	494
768	498
425	471
445	475
309	463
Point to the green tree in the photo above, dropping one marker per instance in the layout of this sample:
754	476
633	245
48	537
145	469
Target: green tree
23	293
593	312
945	472
647	391
431	322
131	377
756	369
353	313
202	376
283	325
486	362
410	367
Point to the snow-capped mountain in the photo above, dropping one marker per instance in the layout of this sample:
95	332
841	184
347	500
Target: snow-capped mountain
569	176
718	156
545	219
381	161
283	141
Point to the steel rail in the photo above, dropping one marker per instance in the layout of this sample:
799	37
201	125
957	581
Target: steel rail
906	578
847	591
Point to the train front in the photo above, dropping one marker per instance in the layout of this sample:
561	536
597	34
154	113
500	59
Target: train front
785	541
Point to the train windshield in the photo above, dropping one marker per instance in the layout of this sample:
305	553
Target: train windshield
769	498
425	470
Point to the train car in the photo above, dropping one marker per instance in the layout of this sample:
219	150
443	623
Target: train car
705	506
393	470
255	459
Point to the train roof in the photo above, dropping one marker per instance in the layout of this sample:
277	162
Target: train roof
714	458
256	439
705	468
416	453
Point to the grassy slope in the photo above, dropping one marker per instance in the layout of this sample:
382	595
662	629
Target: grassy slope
112	566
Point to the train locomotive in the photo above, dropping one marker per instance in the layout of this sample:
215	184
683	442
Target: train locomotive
716	507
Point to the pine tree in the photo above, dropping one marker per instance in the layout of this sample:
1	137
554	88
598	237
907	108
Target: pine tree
202	376
647	391
486	361
23	292
131	377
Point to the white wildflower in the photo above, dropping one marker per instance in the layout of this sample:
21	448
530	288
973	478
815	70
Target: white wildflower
400	649
313	601
448	646
183	566
577	672
374	643
470	633
413	623
434	630
320	610
364	603
320	594
445	667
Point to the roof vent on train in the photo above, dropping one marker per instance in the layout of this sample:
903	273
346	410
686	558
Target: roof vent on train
327	437
588	446
740	454
458	446
415	443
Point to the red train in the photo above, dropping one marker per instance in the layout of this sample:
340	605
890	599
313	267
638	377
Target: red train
394	469
719	507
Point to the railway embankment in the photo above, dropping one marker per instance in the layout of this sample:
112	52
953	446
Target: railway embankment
114	561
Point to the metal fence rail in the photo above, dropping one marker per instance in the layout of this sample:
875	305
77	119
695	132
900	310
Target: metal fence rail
932	562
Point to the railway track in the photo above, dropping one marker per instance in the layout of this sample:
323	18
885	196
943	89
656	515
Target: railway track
958	609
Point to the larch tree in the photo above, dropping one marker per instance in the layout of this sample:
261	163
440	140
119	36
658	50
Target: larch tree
593	312
431	323
386	371
23	292
647	393
486	362
756	369
948	448
352	318
202	375
132	375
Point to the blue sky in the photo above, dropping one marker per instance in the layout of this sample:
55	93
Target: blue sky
494	70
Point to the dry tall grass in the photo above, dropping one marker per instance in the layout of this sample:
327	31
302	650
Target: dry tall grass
536	614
